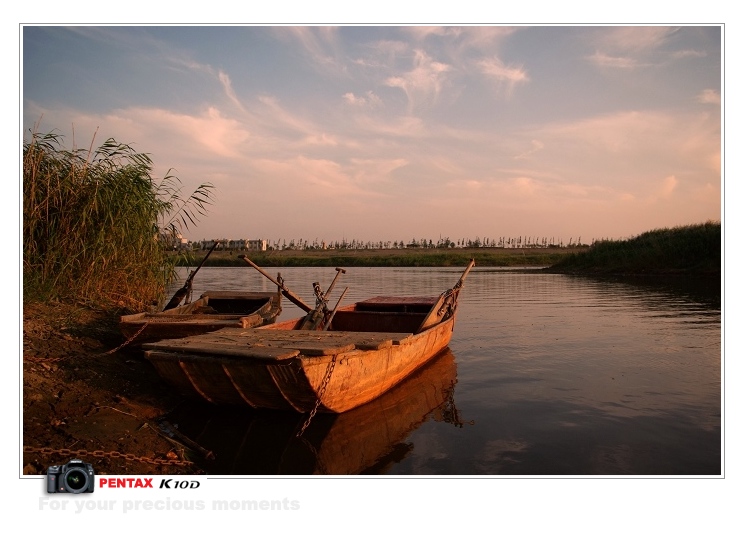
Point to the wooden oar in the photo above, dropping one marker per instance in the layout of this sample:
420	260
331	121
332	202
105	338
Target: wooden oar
286	292
329	319
327	294
186	289
460	282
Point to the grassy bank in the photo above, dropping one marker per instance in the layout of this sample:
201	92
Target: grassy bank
385	257
688	250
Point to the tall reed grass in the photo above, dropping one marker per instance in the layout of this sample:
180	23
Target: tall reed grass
92	220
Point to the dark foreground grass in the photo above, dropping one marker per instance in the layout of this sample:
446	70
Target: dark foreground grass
686	250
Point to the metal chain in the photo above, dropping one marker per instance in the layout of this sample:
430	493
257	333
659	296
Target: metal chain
321	469
125	343
59	358
82	453
320	393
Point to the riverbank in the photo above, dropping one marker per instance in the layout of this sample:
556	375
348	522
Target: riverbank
489	256
82	401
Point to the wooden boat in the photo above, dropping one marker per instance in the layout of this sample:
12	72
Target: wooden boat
214	310
365	349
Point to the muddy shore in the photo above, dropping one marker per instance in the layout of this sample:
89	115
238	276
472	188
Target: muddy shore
80	400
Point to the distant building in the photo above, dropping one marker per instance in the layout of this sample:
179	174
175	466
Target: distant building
256	244
236	245
171	241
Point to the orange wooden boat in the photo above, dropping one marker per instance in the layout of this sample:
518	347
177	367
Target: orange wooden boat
366	349
214	310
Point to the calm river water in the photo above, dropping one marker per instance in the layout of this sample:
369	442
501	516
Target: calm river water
545	375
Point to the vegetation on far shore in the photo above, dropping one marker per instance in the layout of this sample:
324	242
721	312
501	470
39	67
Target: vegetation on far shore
382	257
689	250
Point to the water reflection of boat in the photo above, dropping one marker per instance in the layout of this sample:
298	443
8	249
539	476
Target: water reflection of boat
366	440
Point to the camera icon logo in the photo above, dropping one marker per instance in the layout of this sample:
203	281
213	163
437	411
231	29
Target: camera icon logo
74	477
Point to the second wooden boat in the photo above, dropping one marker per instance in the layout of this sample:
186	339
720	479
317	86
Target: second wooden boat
214	310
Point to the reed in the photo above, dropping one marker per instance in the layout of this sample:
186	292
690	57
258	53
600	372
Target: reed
92	220
692	249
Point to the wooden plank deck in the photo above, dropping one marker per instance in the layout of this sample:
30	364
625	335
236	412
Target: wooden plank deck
267	344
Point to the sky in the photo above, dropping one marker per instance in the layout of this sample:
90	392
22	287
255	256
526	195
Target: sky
390	133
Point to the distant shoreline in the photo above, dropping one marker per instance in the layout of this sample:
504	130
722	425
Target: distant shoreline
693	250
490	256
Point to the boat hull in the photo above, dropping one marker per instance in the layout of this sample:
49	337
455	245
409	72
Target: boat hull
276	367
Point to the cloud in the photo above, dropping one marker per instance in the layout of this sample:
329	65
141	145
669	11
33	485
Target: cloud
423	83
319	42
206	135
668	186
709	96
277	118
536	146
606	61
689	53
495	69
322	140
370	99
407	126
525	185
383	54
227	85
618	132
628	47
635	38
375	173
627	152
484	37
463	38
467	186
312	180
420	33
